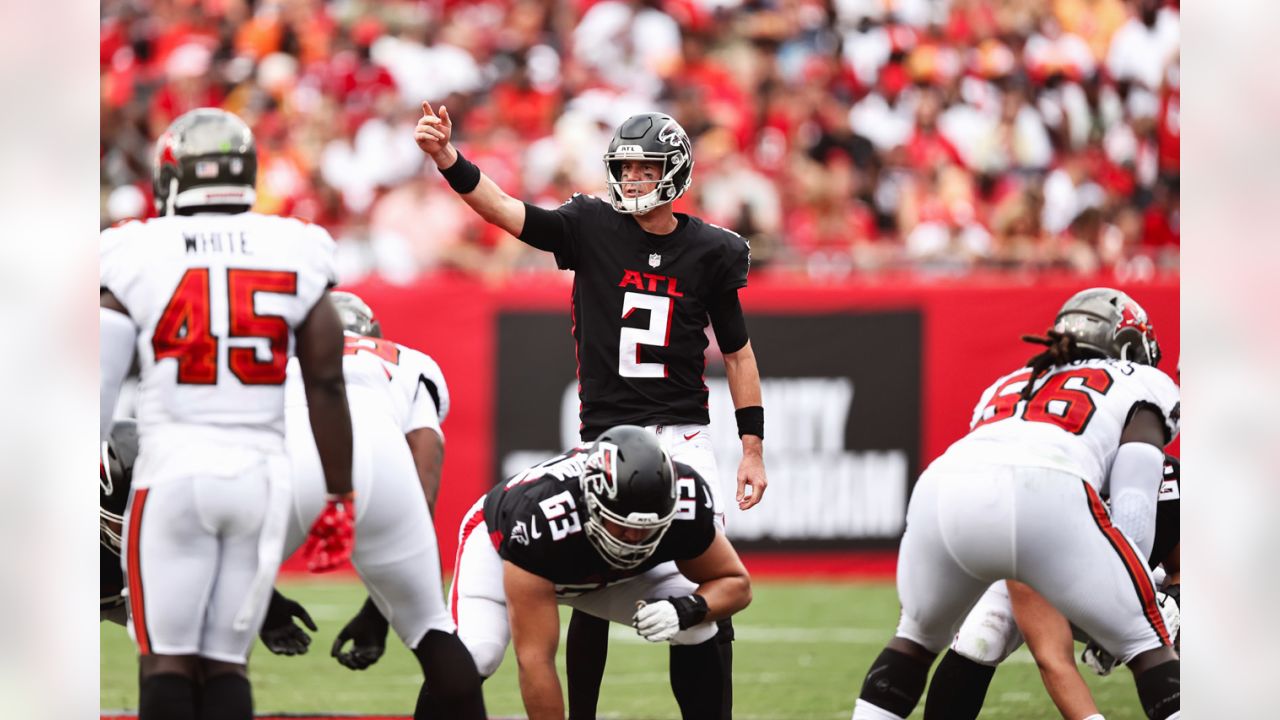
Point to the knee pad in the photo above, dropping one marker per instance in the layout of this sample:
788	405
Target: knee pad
724	632
487	654
895	682
1159	690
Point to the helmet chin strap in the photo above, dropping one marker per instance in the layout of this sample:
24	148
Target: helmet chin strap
172	197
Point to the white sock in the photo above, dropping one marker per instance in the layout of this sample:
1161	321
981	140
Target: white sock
863	710
1095	716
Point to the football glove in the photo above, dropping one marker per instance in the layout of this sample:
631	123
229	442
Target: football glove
660	620
367	632
329	543
1169	608
1100	660
279	633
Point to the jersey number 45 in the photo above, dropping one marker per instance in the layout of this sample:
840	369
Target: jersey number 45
184	330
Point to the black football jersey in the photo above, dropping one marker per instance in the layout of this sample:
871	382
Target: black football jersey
640	311
1168	530
536	520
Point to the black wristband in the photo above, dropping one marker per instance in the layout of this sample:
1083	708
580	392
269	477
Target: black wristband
750	421
463	175
690	609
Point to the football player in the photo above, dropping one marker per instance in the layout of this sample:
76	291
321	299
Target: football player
215	299
647	283
1018	498
597	528
1004	616
398	398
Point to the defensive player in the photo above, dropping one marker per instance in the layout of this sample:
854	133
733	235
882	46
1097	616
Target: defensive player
397	397
1017	498
596	529
214	298
647	283
996	627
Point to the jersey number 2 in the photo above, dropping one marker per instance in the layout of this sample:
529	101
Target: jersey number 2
184	331
1063	400
658	334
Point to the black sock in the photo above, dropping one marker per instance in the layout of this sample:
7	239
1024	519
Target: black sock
958	688
586	649
166	696
724	638
226	696
451	690
1159	690
895	682
697	680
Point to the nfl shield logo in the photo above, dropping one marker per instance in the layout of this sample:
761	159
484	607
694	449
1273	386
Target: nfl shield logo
654	260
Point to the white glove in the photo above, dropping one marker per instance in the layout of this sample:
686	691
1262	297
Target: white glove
1101	661
1172	616
657	621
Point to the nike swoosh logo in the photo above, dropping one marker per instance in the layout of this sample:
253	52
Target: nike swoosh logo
690	437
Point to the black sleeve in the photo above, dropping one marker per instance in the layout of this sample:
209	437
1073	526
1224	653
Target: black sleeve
555	231
728	321
735	263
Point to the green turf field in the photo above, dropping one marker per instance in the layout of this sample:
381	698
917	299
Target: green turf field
801	653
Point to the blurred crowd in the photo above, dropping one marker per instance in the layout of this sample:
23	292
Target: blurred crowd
843	137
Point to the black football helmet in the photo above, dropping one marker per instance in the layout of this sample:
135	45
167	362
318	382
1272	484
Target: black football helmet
115	475
649	136
206	160
356	315
629	481
1110	324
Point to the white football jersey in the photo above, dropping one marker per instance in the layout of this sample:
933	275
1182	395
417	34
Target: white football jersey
402	382
1073	421
216	299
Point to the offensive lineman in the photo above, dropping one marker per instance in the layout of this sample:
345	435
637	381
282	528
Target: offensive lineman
647	283
996	627
215	299
596	528
397	397
1018	498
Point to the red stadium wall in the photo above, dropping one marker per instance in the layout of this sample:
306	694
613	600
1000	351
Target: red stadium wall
969	332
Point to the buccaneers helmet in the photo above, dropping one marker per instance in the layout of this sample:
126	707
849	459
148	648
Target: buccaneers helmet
1111	324
356	315
628	480
206	160
115	475
649	136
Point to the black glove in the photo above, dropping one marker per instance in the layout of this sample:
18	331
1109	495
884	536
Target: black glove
279	633
367	632
1175	591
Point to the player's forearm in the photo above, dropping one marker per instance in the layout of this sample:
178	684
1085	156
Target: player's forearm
1048	636
1067	690
540	689
744	388
725	596
331	424
487	199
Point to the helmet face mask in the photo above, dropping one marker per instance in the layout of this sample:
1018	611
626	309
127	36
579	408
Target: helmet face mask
205	160
649	137
355	314
628	485
1109	323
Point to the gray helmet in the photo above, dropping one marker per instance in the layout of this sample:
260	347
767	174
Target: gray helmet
355	314
628	480
206	160
656	137
1110	323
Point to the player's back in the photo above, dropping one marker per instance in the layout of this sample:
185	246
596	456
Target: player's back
1073	421
216	298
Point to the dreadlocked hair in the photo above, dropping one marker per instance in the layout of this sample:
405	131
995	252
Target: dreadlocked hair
1060	349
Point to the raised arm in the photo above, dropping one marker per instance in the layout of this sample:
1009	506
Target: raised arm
432	134
535	632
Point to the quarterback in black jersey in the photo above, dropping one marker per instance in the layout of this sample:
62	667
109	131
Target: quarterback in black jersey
647	283
597	528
